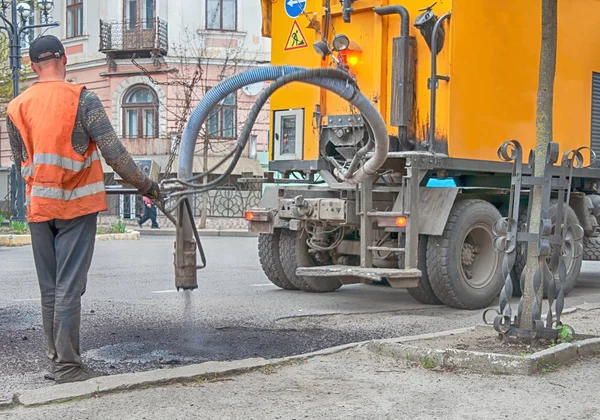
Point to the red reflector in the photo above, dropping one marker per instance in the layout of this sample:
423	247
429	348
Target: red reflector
399	221
257	216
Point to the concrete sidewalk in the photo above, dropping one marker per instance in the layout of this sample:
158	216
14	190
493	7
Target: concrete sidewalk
229	233
352	384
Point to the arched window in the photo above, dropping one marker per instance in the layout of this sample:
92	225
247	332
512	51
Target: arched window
140	112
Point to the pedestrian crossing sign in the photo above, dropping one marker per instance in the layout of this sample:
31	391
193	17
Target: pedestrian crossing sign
296	39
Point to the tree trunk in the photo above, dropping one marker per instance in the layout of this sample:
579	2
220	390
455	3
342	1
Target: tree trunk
545	100
205	196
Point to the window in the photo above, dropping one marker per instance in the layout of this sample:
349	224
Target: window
222	121
28	36
139	13
74	18
140	113
252	146
221	15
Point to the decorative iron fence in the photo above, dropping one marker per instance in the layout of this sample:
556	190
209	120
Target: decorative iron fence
134	35
228	201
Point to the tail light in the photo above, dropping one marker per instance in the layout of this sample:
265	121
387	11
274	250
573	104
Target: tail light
350	59
398	222
257	215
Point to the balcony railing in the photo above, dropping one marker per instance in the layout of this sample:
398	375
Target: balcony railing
134	36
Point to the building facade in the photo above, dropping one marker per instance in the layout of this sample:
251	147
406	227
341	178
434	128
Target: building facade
150	61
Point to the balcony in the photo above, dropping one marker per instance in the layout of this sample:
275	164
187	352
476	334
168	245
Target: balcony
145	38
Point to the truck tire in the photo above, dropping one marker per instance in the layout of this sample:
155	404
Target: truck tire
293	251
591	248
465	247
573	264
268	255
423	293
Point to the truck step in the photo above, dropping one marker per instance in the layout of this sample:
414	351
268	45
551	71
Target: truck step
385	249
386	189
385	214
396	277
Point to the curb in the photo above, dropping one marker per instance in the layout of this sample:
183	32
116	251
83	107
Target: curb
22	240
15	240
495	363
130	235
225	233
131	381
484	362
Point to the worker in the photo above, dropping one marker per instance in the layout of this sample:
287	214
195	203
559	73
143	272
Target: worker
56	129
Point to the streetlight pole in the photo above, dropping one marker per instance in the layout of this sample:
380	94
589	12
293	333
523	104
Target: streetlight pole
14	28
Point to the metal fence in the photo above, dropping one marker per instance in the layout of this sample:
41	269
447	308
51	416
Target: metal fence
130	35
228	201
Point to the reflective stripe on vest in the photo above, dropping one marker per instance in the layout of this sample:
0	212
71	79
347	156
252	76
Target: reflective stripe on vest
63	162
67	195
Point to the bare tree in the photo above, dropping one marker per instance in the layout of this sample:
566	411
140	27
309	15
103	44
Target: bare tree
545	100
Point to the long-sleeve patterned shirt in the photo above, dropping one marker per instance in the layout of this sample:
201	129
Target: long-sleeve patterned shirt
91	123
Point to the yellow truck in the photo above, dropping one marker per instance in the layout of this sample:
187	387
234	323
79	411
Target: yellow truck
452	81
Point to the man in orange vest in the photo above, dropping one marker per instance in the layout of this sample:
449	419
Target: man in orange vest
57	130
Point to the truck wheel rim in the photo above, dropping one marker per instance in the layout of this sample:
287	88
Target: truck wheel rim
567	257
478	260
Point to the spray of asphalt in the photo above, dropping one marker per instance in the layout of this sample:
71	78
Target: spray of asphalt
188	306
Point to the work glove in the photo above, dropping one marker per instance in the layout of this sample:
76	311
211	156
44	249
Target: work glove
154	193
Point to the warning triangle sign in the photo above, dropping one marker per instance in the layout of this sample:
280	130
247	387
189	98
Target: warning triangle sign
296	39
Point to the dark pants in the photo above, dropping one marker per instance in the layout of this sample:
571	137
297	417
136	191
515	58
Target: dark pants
62	250
149	214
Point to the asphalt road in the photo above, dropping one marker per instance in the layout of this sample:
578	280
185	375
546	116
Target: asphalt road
134	320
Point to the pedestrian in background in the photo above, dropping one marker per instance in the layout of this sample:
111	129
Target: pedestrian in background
149	213
56	130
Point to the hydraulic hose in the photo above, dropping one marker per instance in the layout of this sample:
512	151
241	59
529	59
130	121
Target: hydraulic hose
334	80
251	119
212	99
330	79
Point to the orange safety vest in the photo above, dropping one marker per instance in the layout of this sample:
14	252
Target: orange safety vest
61	183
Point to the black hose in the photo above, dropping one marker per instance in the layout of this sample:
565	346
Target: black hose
324	73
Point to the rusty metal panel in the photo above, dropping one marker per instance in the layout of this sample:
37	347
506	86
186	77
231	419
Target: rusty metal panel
434	208
403	81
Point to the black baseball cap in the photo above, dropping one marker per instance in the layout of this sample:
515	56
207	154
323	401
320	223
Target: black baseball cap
46	44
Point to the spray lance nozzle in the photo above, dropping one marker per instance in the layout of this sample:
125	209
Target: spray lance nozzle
186	247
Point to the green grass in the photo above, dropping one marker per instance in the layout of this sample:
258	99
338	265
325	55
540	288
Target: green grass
19	227
119	226
565	334
427	363
115	227
545	367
